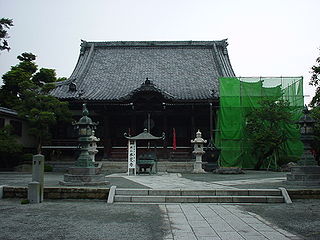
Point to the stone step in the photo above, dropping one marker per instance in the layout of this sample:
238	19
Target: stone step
305	169
315	183
198	196
162	166
303	177
198	199
217	192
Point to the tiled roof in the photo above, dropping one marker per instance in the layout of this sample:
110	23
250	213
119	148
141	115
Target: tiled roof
8	111
110	71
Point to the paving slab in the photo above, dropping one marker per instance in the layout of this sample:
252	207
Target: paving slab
190	222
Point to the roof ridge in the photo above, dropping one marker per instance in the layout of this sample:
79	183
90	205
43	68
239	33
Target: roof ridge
87	44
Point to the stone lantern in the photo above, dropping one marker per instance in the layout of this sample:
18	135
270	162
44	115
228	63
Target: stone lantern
308	172
84	173
307	123
85	127
198	152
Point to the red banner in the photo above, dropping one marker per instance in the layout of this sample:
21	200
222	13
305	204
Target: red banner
174	140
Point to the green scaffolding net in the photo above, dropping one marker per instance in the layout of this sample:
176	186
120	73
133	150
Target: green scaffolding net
238	96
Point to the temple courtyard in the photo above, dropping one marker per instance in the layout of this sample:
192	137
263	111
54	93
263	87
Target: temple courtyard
96	219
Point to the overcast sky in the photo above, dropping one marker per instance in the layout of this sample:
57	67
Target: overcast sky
266	37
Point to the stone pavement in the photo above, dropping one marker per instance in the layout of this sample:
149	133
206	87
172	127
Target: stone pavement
210	221
172	181
176	181
250	181
218	222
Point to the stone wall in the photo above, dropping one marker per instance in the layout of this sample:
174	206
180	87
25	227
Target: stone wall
59	193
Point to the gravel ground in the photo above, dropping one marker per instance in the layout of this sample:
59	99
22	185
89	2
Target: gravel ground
302	217
79	220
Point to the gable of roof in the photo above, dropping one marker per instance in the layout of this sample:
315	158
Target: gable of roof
111	71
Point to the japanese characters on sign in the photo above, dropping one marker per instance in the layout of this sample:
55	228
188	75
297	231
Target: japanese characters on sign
132	154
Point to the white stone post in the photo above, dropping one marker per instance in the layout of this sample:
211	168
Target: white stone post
36	187
198	152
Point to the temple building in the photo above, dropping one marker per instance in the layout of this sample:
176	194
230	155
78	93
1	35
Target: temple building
164	86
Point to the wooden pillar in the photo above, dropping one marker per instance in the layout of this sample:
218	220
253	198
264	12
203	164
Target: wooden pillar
193	130
106	137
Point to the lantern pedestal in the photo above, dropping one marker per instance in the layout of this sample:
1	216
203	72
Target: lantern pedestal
197	166
304	175
82	176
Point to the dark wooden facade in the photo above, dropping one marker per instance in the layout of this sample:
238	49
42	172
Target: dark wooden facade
181	92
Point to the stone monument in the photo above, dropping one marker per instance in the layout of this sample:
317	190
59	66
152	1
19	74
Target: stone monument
84	173
198	152
36	187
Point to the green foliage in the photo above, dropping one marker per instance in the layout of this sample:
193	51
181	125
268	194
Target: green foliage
315	81
8	144
25	201
9	148
27	157
5	24
264	128
48	168
315	113
27	91
315	104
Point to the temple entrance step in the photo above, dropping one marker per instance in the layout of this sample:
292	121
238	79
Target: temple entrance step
162	166
199	196
179	155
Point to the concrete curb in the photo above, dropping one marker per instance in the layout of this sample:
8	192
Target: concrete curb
304	193
285	195
112	192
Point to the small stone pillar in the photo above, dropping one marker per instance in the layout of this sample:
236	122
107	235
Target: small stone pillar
93	146
198	152
36	187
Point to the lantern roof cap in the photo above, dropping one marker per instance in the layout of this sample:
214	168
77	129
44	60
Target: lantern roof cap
306	118
85	120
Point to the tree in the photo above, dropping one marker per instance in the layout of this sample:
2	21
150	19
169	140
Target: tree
315	104
315	81
26	90
5	23
264	129
315	113
9	148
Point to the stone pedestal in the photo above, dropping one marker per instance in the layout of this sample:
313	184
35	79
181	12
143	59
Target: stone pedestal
304	175
197	167
34	192
81	176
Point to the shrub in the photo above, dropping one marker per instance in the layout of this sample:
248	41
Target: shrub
48	168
